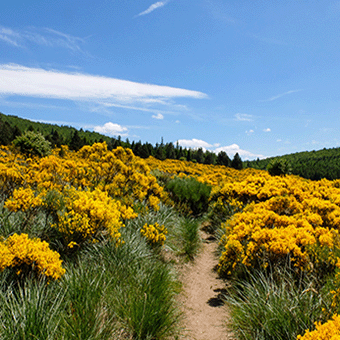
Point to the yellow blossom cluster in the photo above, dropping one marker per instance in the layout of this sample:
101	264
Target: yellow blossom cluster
287	218
154	233
20	252
215	175
89	213
11	172
327	331
118	172
23	199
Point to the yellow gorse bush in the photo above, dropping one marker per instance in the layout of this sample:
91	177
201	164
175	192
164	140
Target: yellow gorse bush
89	213
327	331
19	252
118	172
287	218
154	233
23	199
87	192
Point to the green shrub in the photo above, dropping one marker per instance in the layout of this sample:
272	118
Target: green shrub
279	167
33	144
189	195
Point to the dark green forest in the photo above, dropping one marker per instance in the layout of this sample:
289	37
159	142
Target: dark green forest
11	127
313	165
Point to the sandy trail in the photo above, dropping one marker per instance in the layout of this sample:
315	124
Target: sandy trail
205	315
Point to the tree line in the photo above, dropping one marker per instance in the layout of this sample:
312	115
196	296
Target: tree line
12	127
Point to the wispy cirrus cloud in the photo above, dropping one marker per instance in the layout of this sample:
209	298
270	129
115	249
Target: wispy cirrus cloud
137	108
40	36
220	11
244	117
154	6
280	95
9	36
79	87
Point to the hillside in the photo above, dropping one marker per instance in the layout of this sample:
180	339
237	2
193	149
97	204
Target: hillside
13	125
313	165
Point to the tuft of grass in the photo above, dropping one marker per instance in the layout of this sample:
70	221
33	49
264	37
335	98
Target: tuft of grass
9	223
274	307
87	316
142	289
32	311
189	232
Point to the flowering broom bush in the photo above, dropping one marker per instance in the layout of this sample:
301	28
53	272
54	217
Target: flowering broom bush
327	331
24	255
154	233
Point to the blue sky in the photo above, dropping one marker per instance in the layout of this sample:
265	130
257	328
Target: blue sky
261	78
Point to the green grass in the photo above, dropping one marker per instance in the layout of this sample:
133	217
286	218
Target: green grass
275	306
31	311
142	290
107	292
88	316
189	233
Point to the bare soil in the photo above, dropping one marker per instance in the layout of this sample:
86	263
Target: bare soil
205	315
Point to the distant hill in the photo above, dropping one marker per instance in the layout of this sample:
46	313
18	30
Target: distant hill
314	165
65	133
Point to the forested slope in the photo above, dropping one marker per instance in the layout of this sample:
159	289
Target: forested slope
314	165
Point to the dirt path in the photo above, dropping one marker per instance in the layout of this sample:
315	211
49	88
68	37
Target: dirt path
205	315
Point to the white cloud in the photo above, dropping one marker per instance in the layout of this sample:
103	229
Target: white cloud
41	36
267	130
111	129
158	116
243	117
154	6
280	95
249	132
41	83
194	143
231	150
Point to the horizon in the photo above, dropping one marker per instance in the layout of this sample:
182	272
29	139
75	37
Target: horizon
257	79
126	140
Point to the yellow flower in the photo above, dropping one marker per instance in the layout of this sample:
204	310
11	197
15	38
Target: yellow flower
154	233
20	250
